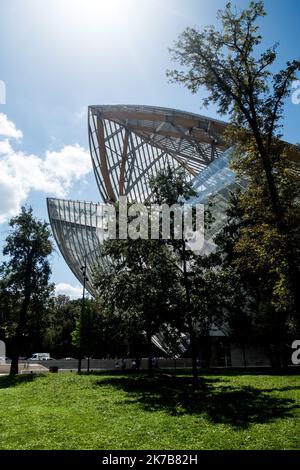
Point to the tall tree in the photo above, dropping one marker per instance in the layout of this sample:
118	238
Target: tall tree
26	273
239	79
88	327
254	269
61	322
171	188
139	288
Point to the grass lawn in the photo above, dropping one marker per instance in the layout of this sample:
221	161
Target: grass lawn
130	411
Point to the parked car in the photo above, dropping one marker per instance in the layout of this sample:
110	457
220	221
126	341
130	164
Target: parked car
40	357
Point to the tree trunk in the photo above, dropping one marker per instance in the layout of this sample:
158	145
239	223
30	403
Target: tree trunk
79	363
194	365
14	366
274	357
18	339
194	355
149	344
244	354
189	317
274	197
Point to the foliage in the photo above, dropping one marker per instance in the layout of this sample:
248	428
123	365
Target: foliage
88	327
263	245
25	279
196	303
139	289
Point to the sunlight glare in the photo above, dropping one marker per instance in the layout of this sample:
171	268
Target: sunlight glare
91	13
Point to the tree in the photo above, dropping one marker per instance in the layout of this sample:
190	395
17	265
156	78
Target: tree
139	288
172	188
257	304
61	322
26	274
237	81
87	331
240	81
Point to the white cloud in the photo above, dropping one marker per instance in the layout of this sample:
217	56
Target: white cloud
8	128
21	173
11	196
71	163
74	292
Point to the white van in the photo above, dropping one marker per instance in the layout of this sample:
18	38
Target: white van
40	357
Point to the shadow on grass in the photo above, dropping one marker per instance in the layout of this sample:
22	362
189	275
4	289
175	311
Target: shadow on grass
238	406
14	380
282	389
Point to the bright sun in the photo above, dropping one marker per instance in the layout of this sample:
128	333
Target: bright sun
101	12
103	27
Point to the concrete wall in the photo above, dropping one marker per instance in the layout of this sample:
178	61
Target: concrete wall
252	356
109	364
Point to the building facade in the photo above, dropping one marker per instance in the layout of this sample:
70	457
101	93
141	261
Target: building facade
129	144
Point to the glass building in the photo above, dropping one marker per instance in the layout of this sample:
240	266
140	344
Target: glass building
129	144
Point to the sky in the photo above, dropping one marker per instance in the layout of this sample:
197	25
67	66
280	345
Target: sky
59	56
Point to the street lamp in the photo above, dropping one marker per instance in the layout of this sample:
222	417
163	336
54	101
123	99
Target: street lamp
85	280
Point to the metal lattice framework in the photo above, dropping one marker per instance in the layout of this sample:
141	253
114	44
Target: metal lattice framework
78	228
129	144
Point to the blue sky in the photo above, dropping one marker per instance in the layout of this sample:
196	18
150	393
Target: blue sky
59	56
